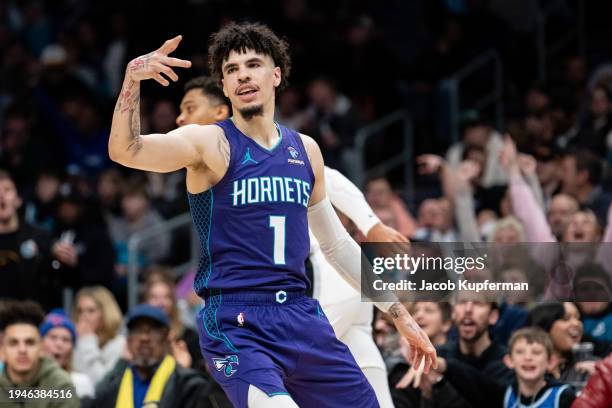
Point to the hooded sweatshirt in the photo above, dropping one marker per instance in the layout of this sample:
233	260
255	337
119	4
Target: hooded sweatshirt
50	378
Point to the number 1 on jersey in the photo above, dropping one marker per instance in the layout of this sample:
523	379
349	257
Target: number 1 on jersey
278	223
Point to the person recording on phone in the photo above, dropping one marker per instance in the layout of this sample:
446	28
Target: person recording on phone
83	250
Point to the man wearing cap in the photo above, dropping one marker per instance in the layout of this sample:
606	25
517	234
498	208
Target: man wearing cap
151	378
58	338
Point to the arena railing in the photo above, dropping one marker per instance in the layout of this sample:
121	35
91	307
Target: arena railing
452	86
140	237
363	136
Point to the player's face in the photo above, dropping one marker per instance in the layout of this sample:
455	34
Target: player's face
196	108
21	348
249	81
529	360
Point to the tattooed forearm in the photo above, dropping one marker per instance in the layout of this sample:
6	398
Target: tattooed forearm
129	101
396	310
135	139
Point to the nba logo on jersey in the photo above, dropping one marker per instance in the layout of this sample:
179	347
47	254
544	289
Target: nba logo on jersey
294	154
240	319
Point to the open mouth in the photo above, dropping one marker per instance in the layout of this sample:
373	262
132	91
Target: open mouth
574	334
246	90
529	369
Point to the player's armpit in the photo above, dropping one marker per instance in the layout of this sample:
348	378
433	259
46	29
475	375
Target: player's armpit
316	162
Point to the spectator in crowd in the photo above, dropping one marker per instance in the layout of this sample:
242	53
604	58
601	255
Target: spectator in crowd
21	153
434	318
560	211
41	209
83	246
562	322
109	189
388	206
596	132
289	109
99	343
138	215
581	177
25	251
159	291
472	316
530	354
593	291
151	376
24	363
58	339
598	391
332	121
477	133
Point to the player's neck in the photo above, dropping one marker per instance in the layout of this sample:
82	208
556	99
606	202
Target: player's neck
261	128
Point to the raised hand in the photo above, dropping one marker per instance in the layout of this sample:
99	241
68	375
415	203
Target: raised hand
156	63
527	164
508	154
430	163
467	171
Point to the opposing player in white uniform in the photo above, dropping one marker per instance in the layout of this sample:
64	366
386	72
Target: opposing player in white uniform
204	103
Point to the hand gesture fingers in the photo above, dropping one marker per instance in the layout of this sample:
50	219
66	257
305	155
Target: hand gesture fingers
152	65
170	45
176	62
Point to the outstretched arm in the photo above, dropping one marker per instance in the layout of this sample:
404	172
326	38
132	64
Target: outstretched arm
189	146
345	256
347	198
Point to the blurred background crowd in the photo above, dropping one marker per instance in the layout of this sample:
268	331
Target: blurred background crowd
530	164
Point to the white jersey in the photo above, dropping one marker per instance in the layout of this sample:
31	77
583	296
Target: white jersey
349	316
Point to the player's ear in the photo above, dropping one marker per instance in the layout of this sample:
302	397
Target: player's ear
277	76
222	112
223	88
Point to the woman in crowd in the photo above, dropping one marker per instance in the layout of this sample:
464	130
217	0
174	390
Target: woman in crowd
159	290
562	322
98	322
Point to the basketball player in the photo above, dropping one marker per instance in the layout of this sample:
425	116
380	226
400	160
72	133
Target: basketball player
254	187
204	104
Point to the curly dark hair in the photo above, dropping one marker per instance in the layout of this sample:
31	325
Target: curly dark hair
16	312
248	36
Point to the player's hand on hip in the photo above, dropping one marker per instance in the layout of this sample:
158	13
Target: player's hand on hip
158	65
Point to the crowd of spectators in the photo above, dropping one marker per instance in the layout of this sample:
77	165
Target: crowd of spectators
66	213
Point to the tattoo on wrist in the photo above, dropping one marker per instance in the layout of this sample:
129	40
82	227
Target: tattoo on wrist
396	310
